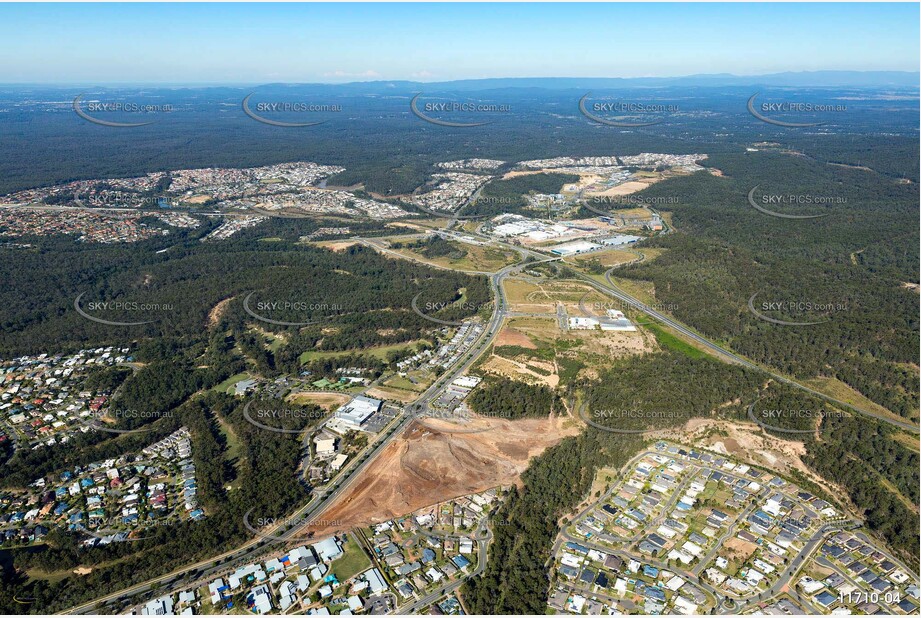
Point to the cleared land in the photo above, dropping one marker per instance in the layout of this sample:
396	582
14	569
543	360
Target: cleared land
425	466
475	258
327	401
377	351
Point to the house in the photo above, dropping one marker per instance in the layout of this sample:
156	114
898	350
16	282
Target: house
287	595
158	607
460	562
375	581
328	549
260	599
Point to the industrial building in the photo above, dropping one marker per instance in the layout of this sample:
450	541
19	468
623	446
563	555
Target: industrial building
613	321
353	415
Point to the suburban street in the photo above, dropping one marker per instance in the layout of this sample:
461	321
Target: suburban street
418	410
320	502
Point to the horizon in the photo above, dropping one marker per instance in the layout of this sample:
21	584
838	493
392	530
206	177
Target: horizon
281	43
205	84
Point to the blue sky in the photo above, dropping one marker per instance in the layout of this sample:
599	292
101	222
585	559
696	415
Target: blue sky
258	43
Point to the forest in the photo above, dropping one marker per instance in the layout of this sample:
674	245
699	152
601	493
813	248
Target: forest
677	387
513	399
852	266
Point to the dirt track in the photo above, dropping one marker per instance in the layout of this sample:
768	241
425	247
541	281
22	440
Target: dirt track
425	466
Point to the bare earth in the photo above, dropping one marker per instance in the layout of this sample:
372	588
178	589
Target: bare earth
510	336
327	401
748	443
425	466
217	311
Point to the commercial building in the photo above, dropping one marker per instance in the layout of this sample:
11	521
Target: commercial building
613	321
354	414
573	248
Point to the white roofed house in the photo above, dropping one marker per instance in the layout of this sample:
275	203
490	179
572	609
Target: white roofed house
328	549
260	599
287	595
375	581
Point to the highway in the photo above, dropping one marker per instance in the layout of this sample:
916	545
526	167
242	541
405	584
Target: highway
612	290
323	500
419	408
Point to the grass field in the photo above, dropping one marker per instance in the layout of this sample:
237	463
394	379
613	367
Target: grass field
227	385
234	452
477	257
352	563
378	351
325	400
550	292
673	342
908	440
611	257
841	391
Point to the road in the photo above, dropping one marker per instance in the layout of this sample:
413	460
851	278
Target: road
419	409
484	537
780	584
612	290
322	501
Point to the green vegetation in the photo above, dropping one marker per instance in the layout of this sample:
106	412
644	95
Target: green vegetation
672	342
857	453
515	580
433	247
501	196
512	399
853	261
352	563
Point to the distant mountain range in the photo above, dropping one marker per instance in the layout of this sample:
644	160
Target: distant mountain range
802	79
807	79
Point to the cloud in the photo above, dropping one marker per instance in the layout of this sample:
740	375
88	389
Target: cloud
368	73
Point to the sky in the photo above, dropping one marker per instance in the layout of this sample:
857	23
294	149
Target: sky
258	43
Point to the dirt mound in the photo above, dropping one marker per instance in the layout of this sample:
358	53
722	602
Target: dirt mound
430	464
